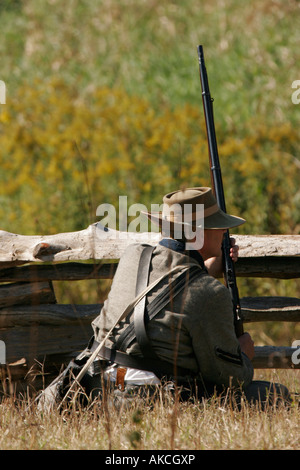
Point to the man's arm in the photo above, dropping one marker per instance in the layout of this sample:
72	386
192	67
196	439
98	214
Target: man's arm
215	265
247	345
222	357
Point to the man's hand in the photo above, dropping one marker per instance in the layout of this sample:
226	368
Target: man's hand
234	250
247	345
215	265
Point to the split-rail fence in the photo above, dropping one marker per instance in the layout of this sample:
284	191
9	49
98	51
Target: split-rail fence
38	335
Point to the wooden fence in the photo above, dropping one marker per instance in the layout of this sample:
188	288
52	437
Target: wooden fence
40	335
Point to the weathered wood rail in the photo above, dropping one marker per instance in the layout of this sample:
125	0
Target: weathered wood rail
41	335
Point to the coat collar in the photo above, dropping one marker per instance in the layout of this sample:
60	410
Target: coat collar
179	247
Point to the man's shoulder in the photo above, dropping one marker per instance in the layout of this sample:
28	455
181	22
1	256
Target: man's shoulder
206	286
135	248
165	255
132	251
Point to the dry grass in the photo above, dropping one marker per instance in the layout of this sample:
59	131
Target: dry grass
208	425
149	49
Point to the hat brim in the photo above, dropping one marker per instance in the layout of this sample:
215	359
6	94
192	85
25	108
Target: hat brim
221	220
218	220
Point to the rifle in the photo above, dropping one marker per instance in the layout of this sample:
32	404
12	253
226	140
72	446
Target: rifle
217	184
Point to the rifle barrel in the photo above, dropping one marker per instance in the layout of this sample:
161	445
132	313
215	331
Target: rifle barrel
217	184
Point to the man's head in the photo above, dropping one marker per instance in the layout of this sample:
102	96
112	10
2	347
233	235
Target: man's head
188	212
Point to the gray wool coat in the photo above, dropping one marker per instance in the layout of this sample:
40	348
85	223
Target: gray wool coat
195	329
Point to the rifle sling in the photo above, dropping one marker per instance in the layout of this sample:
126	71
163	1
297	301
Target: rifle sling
160	367
157	304
139	310
137	330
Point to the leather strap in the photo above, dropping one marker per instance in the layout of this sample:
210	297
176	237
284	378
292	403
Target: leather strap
123	315
136	330
158	366
158	303
139	311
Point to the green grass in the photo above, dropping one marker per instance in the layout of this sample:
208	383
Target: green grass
149	48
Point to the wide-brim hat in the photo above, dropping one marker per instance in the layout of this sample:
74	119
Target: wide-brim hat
194	206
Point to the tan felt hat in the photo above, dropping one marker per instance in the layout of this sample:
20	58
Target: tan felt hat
194	206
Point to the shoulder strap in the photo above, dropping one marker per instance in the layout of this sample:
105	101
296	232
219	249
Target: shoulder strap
150	360
139	311
170	291
100	346
123	315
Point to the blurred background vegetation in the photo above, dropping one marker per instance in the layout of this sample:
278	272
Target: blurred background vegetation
103	99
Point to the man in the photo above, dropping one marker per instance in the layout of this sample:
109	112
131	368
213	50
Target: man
182	330
194	331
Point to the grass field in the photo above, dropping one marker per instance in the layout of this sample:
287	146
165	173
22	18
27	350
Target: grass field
208	425
103	99
149	49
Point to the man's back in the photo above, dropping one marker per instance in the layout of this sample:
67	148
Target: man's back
195	329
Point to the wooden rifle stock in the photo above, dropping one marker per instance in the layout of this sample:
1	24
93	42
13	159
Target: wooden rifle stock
217	185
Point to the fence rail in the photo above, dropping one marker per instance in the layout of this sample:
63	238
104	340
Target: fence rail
40	334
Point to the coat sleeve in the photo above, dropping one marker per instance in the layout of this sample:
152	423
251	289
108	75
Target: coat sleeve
215	344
